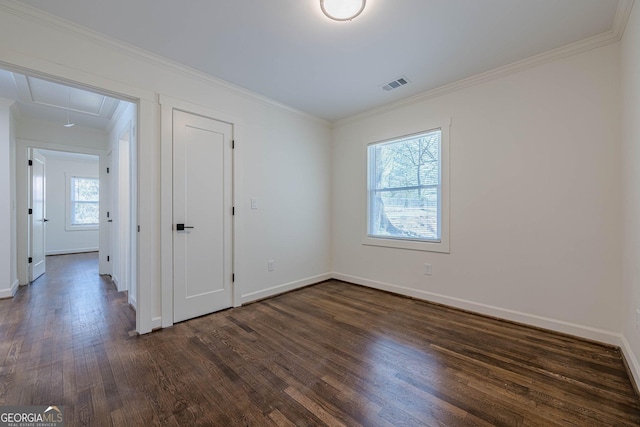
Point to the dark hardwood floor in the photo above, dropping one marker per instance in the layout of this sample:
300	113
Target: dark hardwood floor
331	354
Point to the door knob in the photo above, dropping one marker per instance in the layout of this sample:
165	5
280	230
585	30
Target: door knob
182	227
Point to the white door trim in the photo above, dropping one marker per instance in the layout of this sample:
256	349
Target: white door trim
167	105
22	148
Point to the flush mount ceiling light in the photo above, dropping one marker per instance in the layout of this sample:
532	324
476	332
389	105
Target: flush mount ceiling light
342	10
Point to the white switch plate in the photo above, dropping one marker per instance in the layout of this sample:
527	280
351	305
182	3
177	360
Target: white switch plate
427	269
271	265
254	203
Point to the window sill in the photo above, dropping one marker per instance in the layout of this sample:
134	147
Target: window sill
414	245
82	227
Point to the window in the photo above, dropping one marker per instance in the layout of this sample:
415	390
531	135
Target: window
407	200
84	204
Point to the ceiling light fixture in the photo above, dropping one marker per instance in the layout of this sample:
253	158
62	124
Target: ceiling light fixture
69	124
342	10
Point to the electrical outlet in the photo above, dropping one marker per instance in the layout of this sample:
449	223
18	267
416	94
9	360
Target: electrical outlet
271	265
427	269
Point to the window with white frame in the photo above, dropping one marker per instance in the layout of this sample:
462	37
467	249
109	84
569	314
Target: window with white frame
407	200
84	202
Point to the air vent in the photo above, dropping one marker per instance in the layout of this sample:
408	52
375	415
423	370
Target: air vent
395	84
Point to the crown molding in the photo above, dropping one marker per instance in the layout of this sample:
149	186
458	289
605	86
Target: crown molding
40	17
612	36
622	17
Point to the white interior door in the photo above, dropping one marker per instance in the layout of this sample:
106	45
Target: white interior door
202	204
112	230
38	219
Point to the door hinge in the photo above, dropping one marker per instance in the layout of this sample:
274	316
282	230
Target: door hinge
108	258
233	278
30	162
30	260
138	229
233	144
30	211
107	214
233	210
107	170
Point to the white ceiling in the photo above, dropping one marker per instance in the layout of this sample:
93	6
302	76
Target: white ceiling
288	51
53	102
63	155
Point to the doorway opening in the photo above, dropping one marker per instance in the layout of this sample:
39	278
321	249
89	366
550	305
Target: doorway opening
76	127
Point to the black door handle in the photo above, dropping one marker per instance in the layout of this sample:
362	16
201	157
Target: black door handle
109	220
45	220
182	227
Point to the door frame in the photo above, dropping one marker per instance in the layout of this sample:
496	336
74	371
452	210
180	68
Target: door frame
167	106
23	238
147	173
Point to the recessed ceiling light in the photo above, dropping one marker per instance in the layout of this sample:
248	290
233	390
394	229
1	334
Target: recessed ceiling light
342	10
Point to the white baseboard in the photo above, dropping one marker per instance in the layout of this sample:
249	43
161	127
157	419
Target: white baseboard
133	302
70	251
632	360
156	323
9	293
279	289
587	332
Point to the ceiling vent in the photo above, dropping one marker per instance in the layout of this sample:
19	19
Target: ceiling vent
395	84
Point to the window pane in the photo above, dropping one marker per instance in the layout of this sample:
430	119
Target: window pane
404	188
409	214
85	213
407	163
85	189
85	196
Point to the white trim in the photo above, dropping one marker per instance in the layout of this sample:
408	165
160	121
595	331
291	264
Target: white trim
148	191
72	251
279	289
631	359
587	332
9	293
612	36
156	323
441	246
41	17
621	17
134	304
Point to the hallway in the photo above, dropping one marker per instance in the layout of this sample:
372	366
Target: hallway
58	324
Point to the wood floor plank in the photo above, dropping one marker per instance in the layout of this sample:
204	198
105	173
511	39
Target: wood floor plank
329	354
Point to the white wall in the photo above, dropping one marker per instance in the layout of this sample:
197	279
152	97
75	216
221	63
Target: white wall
54	133
631	189
535	197
283	157
120	194
59	239
8	275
